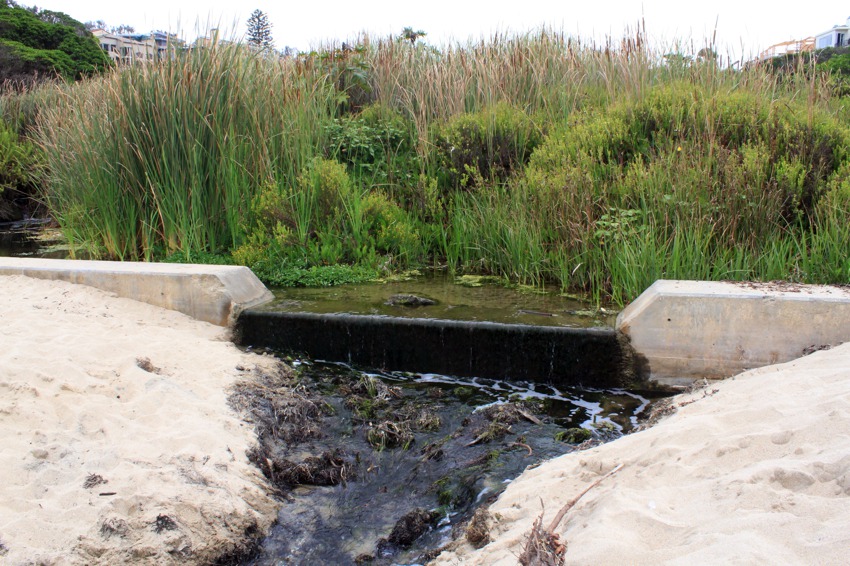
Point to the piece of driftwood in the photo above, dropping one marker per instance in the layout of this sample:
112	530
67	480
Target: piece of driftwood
543	547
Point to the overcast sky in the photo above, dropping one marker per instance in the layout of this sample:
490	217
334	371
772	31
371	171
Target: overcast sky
304	23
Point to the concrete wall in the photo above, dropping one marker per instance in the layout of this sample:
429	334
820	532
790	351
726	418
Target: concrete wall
694	329
212	293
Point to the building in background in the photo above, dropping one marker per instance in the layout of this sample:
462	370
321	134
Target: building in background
836	37
126	49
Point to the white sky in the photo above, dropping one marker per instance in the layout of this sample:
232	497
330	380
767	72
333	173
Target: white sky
304	23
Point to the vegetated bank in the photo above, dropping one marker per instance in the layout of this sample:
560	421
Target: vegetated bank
538	158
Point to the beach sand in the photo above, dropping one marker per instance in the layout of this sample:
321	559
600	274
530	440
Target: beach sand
117	444
754	469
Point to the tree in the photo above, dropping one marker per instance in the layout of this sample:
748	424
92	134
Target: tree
260	31
41	44
411	36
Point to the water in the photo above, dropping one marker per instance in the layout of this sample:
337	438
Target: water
447	468
455	298
31	238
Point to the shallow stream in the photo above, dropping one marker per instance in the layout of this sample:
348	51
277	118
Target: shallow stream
396	446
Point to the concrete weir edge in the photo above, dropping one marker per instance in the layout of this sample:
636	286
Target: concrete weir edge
211	293
690	330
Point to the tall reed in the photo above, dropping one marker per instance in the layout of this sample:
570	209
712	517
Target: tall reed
168	156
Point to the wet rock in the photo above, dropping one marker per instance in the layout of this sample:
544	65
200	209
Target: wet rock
409	300
412	526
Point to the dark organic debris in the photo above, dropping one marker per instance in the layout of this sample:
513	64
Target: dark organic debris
93	480
331	468
815	348
4	550
280	408
390	434
164	523
114	527
494	431
412	526
420	418
510	413
478	530
364	558
434	451
409	300
247	549
146	365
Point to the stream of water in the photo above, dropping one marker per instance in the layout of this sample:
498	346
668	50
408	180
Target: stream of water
460	442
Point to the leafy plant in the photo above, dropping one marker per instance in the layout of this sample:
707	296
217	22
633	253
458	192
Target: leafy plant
485	147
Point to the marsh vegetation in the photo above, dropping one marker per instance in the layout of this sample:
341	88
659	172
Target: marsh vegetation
535	158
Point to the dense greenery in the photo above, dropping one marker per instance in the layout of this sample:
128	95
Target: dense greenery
41	43
534	158
20	164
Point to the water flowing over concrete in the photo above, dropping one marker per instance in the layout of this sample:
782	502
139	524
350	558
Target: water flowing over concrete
594	357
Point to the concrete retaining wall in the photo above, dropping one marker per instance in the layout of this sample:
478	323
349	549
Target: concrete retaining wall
694	329
212	293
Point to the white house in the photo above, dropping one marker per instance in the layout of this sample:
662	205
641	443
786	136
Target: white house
838	36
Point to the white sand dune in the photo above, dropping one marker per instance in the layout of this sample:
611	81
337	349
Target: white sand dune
757	472
164	456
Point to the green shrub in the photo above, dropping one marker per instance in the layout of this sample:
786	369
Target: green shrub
378	147
486	146
21	165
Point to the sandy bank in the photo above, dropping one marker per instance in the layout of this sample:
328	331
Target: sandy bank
117	442
756	472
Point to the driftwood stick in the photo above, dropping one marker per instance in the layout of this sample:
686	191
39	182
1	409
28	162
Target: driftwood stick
554	524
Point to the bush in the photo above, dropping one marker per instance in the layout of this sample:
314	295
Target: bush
41	42
20	169
378	147
486	146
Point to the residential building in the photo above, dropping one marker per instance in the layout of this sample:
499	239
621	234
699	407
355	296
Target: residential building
124	49
838	36
136	48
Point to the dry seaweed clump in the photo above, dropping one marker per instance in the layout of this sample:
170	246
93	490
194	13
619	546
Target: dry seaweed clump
543	546
478	529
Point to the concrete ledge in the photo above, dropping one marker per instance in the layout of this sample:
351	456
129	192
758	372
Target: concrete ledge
695	329
212	293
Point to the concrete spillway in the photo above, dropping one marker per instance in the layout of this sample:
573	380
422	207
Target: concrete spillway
593	357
